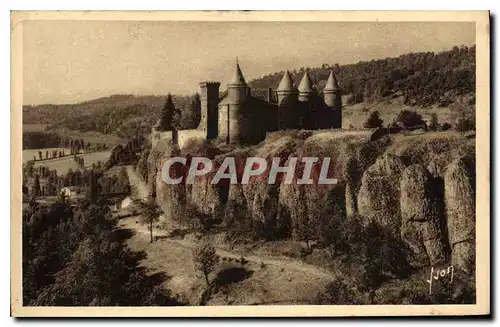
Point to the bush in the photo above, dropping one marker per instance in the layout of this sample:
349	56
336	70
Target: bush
409	118
464	125
303	134
434	124
205	259
444	127
338	292
373	120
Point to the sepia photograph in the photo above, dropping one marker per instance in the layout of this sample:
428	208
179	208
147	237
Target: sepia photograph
250	163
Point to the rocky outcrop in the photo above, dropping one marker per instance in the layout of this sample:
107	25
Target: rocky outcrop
460	213
410	186
379	195
420	227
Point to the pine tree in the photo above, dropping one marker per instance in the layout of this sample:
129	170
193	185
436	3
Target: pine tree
167	115
374	120
36	186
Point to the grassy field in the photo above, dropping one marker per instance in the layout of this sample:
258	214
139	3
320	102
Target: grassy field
267	279
357	114
92	137
28	154
34	127
63	164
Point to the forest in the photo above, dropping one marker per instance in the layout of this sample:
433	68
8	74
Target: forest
74	255
423	78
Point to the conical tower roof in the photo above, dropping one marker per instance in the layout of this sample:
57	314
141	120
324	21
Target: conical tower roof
286	83
305	84
238	78
332	84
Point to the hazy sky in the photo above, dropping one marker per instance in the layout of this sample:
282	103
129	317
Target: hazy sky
74	61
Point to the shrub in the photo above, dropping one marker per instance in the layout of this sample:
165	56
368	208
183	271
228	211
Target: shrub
338	292
205	259
373	120
434	124
444	127
464	125
409	118
303	134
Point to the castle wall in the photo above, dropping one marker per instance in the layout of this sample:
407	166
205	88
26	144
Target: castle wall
177	137
185	135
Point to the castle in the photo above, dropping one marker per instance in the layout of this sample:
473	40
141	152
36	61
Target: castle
240	118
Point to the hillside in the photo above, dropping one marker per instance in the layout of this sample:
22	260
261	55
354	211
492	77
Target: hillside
422	78
119	115
417	80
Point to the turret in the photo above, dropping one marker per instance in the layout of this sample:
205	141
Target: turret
237	89
333	99
331	89
305	88
285	88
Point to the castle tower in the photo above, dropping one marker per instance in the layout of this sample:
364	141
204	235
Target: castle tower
209	97
305	88
237	89
333	99
331	89
237	94
285	88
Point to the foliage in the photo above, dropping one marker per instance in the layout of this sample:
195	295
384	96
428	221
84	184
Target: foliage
373	120
76	257
338	292
434	124
409	118
150	215
463	115
422	78
205	259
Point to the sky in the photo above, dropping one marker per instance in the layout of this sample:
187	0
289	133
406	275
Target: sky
75	61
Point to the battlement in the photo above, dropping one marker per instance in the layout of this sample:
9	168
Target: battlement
209	83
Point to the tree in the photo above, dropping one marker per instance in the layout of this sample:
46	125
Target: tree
205	259
36	186
463	115
40	155
167	115
373	120
434	124
191	116
150	215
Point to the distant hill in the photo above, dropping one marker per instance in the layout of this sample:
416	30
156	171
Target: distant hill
120	115
422	79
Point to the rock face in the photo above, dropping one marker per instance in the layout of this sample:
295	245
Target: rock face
460	212
411	186
420	227
378	197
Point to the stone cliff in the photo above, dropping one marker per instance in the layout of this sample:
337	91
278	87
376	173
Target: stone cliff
418	187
